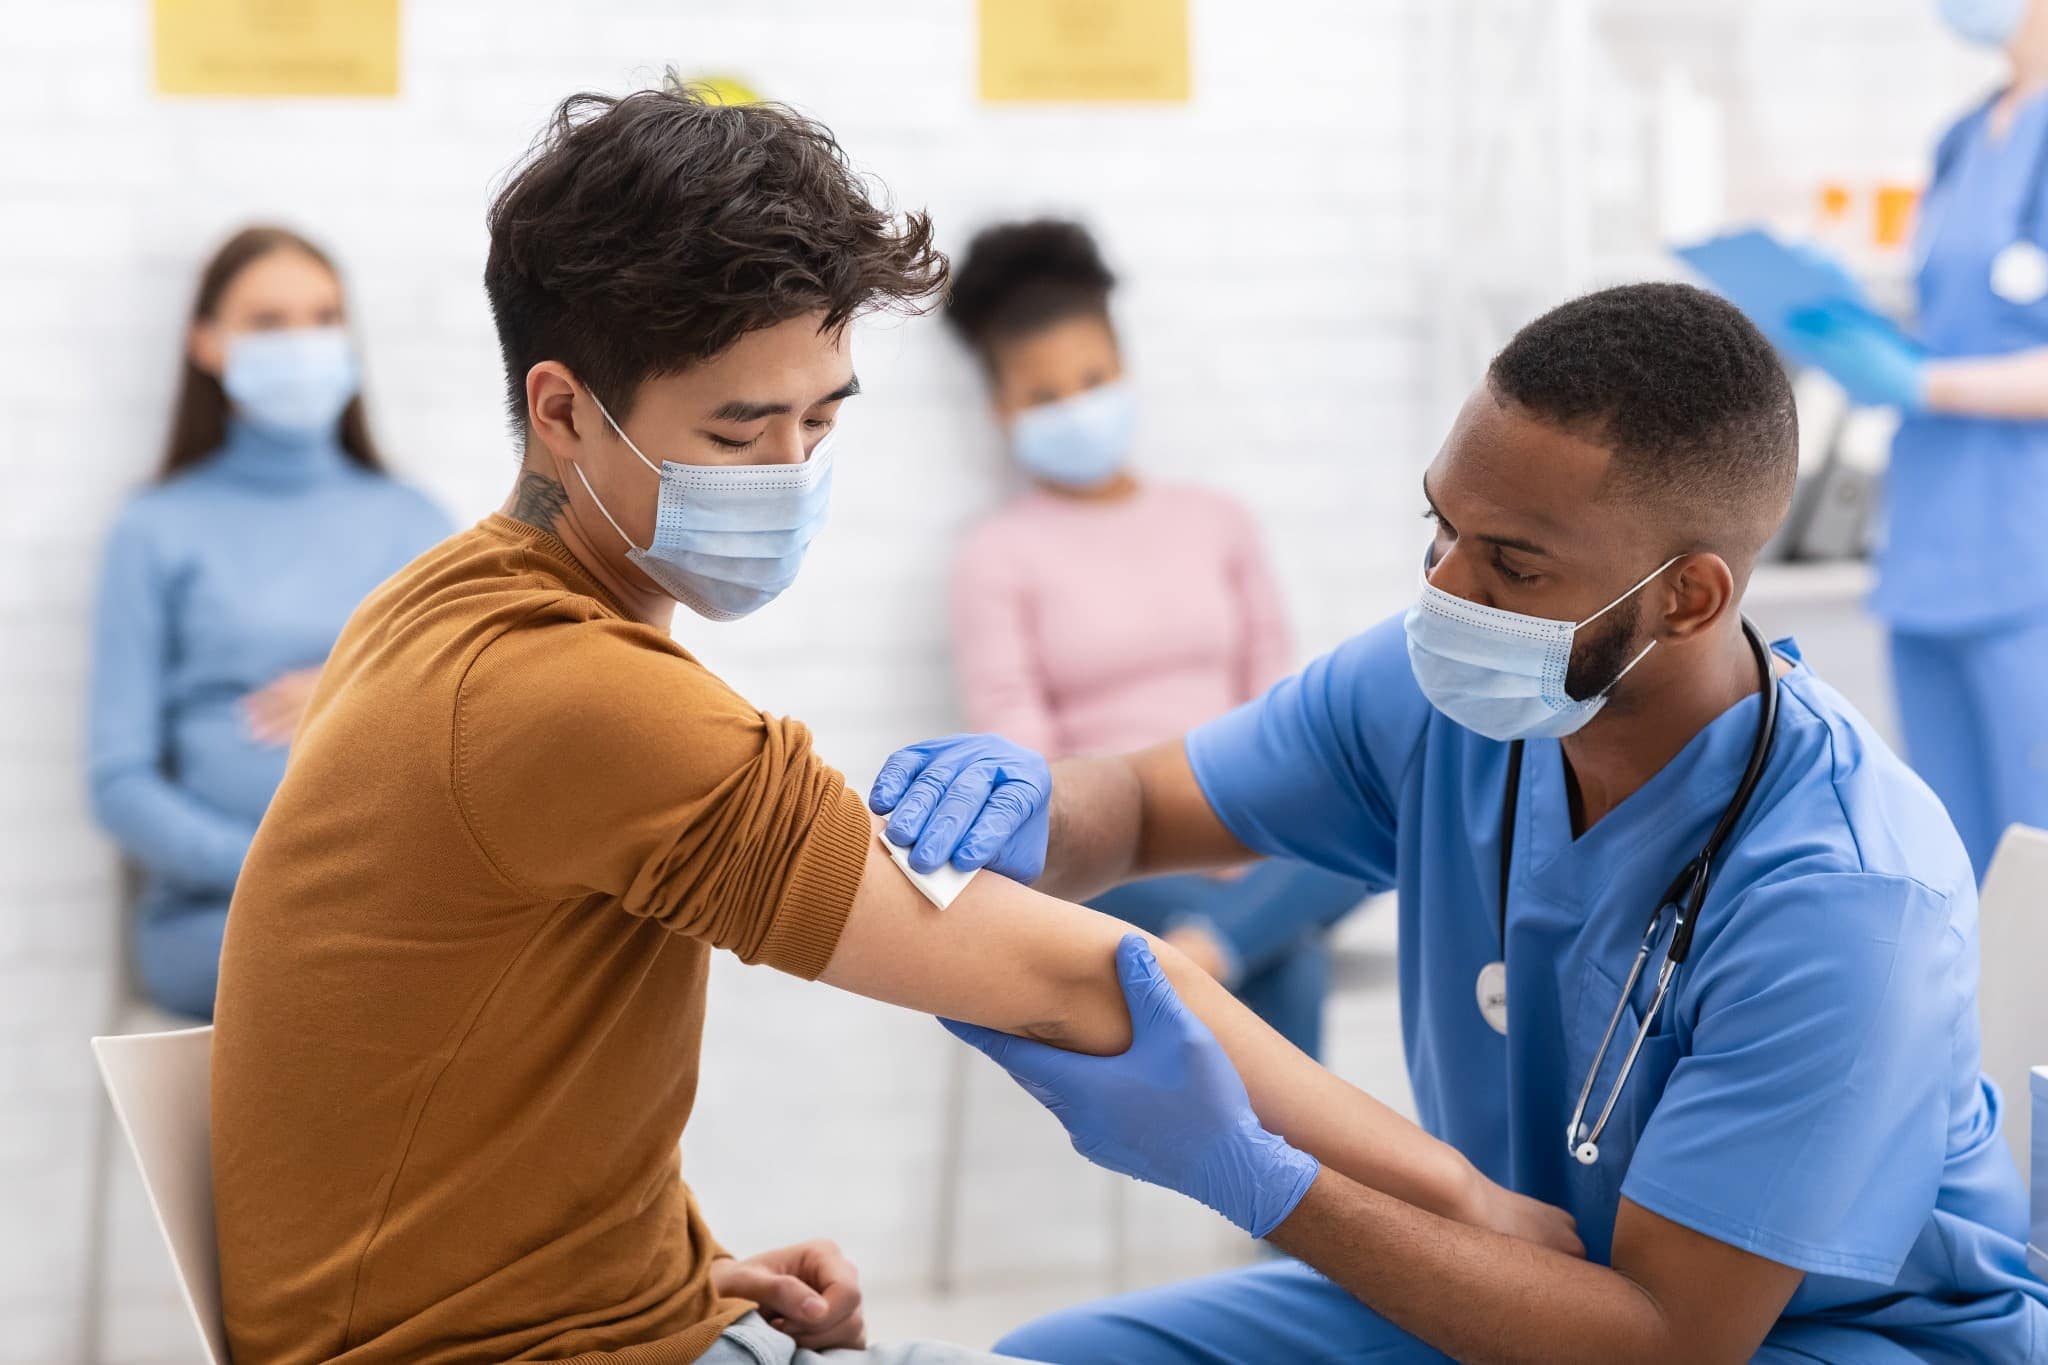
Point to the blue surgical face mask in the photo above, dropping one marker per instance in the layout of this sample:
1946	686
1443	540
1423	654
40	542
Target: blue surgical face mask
1499	673
1077	442
1988	23
728	538
291	382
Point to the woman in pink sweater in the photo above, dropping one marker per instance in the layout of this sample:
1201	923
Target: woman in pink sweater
1100	612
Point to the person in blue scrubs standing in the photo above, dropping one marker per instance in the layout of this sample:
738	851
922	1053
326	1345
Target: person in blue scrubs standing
224	586
1802	1161
1963	572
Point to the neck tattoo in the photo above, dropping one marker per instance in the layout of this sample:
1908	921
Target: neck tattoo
538	501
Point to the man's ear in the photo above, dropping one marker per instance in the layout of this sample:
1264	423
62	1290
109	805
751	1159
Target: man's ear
1702	591
552	411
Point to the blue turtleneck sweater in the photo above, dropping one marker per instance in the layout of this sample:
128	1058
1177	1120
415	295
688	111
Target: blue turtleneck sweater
242	568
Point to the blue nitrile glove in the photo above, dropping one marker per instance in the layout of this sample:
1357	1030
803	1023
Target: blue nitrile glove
1169	1110
1864	357
972	800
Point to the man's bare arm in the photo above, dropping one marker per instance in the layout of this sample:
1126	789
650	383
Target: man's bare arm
1009	958
1673	1294
1131	815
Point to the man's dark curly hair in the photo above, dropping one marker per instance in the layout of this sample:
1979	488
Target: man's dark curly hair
1018	277
1683	390
648	233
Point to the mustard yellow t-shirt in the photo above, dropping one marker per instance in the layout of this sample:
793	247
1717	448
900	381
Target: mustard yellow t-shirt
462	994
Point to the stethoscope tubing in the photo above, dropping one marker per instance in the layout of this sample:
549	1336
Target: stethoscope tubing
1685	896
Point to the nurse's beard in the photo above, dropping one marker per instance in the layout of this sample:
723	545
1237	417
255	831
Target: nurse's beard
1602	651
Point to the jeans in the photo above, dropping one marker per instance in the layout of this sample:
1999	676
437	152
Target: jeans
751	1341
1273	920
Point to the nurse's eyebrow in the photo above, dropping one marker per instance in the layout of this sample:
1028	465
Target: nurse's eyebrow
1527	547
740	410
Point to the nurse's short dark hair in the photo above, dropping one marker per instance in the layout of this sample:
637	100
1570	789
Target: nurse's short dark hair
1679	385
647	233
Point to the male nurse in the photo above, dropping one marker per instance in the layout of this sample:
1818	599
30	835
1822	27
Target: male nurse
1802	1160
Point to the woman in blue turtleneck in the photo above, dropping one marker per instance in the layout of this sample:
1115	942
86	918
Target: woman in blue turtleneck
225	585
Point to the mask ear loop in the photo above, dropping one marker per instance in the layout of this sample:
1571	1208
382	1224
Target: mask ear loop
577	465
1587	622
1645	651
601	507
606	414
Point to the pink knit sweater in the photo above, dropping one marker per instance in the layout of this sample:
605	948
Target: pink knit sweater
1089	627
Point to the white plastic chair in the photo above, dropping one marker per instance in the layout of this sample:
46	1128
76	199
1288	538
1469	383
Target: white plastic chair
2012	932
160	1085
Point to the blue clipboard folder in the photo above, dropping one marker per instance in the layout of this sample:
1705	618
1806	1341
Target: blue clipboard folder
1772	283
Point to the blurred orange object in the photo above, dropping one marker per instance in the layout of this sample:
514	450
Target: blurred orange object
1893	222
1835	199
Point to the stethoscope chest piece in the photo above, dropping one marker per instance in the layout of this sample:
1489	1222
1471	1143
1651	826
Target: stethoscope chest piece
1686	894
2019	273
1492	992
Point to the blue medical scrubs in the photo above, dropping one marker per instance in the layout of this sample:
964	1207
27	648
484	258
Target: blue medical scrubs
1963	575
1811	1091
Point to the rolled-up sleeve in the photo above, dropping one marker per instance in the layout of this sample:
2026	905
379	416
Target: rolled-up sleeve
595	759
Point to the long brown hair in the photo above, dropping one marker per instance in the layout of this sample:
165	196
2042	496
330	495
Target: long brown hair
199	417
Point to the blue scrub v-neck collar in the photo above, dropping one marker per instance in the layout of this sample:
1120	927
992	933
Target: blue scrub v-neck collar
2029	107
1700	779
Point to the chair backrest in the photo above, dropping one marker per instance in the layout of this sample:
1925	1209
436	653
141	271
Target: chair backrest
161	1087
2012	931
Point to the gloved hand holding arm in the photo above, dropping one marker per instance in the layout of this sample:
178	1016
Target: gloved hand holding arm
1169	1110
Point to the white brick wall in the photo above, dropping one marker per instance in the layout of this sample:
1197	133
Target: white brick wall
1278	236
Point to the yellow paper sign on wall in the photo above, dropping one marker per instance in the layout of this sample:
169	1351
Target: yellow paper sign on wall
1084	51
277	47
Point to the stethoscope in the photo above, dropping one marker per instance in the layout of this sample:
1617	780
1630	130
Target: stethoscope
2019	272
1687	893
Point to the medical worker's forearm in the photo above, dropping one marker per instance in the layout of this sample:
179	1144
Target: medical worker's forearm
1493	1300
1092	843
2013	386
1131	815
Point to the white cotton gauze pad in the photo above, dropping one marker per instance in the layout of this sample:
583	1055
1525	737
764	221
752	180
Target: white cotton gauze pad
941	887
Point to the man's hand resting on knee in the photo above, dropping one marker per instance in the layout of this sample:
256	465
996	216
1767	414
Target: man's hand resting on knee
808	1292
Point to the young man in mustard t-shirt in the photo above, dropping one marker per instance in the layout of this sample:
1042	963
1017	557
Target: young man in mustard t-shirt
462	994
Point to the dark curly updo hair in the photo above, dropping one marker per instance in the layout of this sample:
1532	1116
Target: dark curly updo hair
1018	277
648	233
